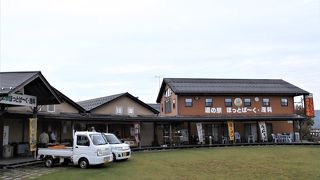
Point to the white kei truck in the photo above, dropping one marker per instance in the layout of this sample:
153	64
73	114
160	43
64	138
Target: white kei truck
89	148
120	151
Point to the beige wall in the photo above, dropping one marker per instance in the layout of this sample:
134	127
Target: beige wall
147	134
61	108
123	102
15	130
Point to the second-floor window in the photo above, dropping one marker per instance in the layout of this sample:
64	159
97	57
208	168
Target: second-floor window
167	106
247	102
265	102
130	111
119	110
209	102
51	108
228	102
284	102
188	102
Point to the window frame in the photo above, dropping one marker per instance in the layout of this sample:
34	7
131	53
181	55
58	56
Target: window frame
119	108
206	103
129	109
287	102
167	106
229	103
87	143
263	102
245	103
54	108
188	104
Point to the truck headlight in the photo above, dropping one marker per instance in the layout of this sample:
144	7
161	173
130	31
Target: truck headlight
100	152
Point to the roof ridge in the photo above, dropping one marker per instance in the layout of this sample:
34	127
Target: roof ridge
120	94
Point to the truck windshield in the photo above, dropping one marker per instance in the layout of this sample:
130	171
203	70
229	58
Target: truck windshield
97	139
112	139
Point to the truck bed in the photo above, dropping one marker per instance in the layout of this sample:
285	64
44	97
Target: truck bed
63	152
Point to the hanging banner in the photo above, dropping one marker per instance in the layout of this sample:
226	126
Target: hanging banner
200	133
231	130
309	106
263	131
33	134
136	131
5	135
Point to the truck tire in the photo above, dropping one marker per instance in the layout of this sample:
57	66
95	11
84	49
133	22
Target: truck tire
48	162
83	163
114	158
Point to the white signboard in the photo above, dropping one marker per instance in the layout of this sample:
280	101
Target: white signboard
200	134
238	110
263	131
18	99
5	135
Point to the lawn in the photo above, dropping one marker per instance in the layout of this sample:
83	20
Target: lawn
267	162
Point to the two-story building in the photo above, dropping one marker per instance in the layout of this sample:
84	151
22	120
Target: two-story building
222	110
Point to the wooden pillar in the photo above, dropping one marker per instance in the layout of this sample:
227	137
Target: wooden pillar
293	129
155	135
258	130
170	134
189	132
1	135
139	135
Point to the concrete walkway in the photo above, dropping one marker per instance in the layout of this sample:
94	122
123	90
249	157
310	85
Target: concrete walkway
27	172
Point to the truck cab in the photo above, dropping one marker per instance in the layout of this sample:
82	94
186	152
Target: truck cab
89	148
120	151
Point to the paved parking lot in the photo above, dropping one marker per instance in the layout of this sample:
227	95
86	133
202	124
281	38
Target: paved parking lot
28	172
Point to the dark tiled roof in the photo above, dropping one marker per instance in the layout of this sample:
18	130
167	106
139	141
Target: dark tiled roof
230	86
94	103
9	81
91	104
33	83
155	106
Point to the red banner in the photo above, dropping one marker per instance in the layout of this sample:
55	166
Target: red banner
309	106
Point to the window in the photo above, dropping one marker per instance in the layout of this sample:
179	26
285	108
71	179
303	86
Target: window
51	108
228	102
208	102
167	106
284	102
247	102
119	110
83	141
265	102
188	102
168	93
130	110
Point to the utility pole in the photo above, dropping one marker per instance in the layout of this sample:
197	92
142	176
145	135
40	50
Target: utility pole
159	79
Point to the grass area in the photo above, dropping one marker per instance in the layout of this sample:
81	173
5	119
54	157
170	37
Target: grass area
270	162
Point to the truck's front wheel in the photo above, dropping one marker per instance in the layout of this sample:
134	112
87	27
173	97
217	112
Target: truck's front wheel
83	163
48	162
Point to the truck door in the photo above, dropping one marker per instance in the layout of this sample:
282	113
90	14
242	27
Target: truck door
81	147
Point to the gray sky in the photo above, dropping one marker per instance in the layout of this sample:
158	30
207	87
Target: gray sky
94	48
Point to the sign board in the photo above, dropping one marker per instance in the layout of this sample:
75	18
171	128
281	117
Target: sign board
200	133
5	135
309	106
19	99
136	132
231	130
33	134
263	131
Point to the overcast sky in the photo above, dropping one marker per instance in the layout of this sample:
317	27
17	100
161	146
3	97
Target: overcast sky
94	48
